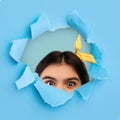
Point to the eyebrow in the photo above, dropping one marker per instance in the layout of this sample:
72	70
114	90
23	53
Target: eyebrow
49	77
73	78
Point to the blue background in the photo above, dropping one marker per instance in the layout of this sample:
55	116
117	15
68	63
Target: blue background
103	18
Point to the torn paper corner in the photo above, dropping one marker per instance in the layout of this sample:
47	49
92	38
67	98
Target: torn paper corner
97	71
51	95
75	21
26	79
86	90
39	27
96	51
43	25
17	49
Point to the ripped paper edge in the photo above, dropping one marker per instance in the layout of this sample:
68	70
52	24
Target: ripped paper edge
38	28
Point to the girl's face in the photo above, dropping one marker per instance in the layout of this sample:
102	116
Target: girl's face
62	76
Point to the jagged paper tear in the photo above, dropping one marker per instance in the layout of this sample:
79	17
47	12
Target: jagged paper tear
52	95
40	27
17	49
75	21
96	71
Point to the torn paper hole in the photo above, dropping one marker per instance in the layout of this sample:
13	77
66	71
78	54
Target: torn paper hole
52	41
96	71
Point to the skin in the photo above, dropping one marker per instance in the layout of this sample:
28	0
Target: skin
62	76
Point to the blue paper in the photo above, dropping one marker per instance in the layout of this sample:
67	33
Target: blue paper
75	21
26	79
41	26
97	72
97	53
86	90
51	95
17	49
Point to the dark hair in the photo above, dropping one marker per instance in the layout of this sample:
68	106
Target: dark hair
57	57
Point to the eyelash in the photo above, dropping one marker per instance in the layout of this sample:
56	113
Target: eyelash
52	83
68	84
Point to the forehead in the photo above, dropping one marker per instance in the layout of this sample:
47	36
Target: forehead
61	69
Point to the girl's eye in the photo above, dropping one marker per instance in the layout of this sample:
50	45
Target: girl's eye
50	83
71	84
